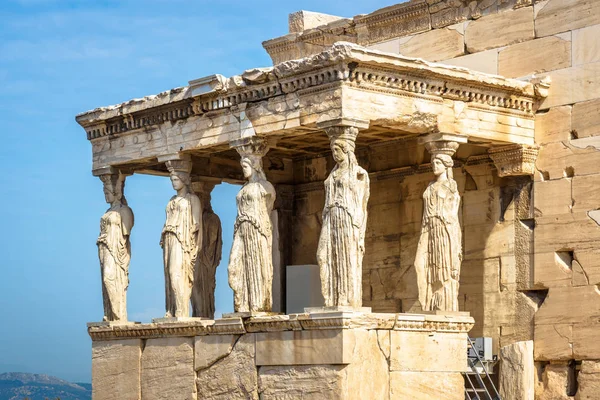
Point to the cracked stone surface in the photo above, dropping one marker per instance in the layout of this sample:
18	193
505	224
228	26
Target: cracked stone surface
233	376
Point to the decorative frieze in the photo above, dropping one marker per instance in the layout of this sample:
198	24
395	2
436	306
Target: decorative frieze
461	322
392	22
341	64
514	159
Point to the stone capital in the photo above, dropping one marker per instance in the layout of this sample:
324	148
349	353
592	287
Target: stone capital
442	143
344	122
108	170
251	146
203	185
177	162
514	159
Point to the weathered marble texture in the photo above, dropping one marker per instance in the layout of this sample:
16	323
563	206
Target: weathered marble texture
114	248
439	252
181	239
342	240
251	260
203	291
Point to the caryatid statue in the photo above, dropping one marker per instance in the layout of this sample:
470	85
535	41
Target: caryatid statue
181	239
251	260
203	292
114	249
342	241
439	252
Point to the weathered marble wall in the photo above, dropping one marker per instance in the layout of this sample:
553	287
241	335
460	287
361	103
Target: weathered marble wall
323	356
554	259
495	217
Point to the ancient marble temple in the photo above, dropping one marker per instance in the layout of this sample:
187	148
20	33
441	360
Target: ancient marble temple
405	183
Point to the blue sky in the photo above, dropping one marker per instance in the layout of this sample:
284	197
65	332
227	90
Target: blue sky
59	58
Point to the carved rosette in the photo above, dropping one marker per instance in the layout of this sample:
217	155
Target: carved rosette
514	159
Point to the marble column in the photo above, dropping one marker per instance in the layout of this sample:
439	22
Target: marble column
251	261
114	248
181	238
439	251
203	291
342	240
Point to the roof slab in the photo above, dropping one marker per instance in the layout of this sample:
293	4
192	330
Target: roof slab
389	97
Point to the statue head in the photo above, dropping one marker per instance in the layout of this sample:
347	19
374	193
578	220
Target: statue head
180	179
251	151
342	140
114	185
179	171
252	166
442	163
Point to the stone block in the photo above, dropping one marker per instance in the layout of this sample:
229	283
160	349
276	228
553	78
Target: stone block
585	341
558	160
393	283
211	348
586	117
483	61
481	207
556	16
517	371
368	375
426	385
168	369
365	377
435	45
586	47
328	346
116	367
552	269
232	377
588	380
383	252
483	34
553	342
554	382
554	125
389	46
552	197
480	276
433	352
573	85
302	20
535	56
489	240
585	192
319	382
564	305
588	261
550	233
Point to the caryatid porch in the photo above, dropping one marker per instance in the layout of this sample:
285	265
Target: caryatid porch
399	106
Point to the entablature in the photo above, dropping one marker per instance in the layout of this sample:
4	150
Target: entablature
398	96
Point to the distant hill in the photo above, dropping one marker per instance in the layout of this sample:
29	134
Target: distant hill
18	386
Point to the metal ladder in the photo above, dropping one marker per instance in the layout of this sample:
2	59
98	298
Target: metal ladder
475	380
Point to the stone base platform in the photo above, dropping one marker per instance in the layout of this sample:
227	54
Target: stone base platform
300	356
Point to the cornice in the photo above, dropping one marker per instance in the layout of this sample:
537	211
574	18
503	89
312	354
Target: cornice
305	321
341	63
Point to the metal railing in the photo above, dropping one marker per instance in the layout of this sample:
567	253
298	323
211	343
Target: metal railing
477	389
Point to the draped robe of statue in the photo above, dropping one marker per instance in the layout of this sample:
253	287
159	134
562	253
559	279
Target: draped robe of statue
251	262
341	244
439	252
180	249
114	251
203	293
